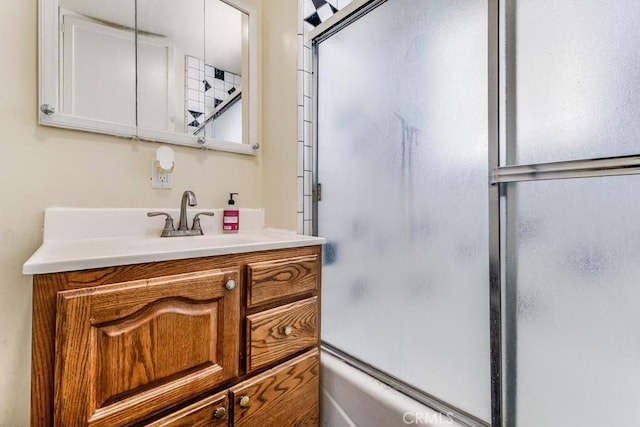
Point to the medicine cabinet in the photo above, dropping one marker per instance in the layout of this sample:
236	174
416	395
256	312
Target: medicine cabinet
172	71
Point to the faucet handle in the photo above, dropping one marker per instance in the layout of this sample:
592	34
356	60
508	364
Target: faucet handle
196	220
168	222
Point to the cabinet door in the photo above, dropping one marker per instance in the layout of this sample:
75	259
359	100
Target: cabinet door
128	350
287	395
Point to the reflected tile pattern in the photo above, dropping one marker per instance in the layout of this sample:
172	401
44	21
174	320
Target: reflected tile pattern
206	87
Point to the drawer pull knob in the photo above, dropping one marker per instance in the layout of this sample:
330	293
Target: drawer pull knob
219	413
244	401
231	284
287	330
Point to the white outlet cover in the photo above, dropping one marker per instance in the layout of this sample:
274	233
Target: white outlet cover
160	179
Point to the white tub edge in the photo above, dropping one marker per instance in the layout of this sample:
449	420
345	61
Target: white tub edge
349	397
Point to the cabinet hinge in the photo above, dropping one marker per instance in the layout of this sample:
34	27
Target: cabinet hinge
318	192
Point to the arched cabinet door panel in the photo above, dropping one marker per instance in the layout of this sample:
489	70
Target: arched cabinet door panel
127	350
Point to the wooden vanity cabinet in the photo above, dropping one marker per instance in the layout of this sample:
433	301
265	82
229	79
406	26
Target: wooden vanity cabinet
178	343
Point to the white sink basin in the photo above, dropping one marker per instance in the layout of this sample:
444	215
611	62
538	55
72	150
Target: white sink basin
71	245
171	244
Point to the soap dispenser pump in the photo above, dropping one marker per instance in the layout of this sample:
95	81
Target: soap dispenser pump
231	216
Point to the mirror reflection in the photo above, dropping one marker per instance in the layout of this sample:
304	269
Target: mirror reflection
164	69
98	55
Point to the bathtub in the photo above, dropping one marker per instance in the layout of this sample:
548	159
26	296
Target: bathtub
349	397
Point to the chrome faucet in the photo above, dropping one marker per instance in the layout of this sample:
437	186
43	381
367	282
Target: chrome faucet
188	197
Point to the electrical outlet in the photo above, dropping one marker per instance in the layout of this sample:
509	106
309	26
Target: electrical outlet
160	179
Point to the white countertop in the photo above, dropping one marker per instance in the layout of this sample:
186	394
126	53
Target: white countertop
79	239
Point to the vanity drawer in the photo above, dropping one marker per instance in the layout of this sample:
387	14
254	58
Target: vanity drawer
287	395
280	332
211	411
270	281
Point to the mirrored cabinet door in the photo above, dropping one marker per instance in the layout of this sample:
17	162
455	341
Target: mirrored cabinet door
98	70
170	32
91	82
223	66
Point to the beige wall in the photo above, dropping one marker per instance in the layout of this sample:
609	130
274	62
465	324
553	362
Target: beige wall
279	114
42	166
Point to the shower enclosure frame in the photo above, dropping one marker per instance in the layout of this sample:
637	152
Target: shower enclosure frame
501	114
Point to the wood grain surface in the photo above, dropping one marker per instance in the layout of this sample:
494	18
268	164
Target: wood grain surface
126	350
278	279
285	396
267	339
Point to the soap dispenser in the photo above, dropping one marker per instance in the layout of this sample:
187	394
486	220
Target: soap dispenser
231	216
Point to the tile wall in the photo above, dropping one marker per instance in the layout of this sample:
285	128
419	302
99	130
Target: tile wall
310	14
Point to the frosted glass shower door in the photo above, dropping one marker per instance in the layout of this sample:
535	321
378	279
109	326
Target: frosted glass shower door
575	76
572	291
574	269
402	159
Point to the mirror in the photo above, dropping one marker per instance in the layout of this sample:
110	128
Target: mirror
177	71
